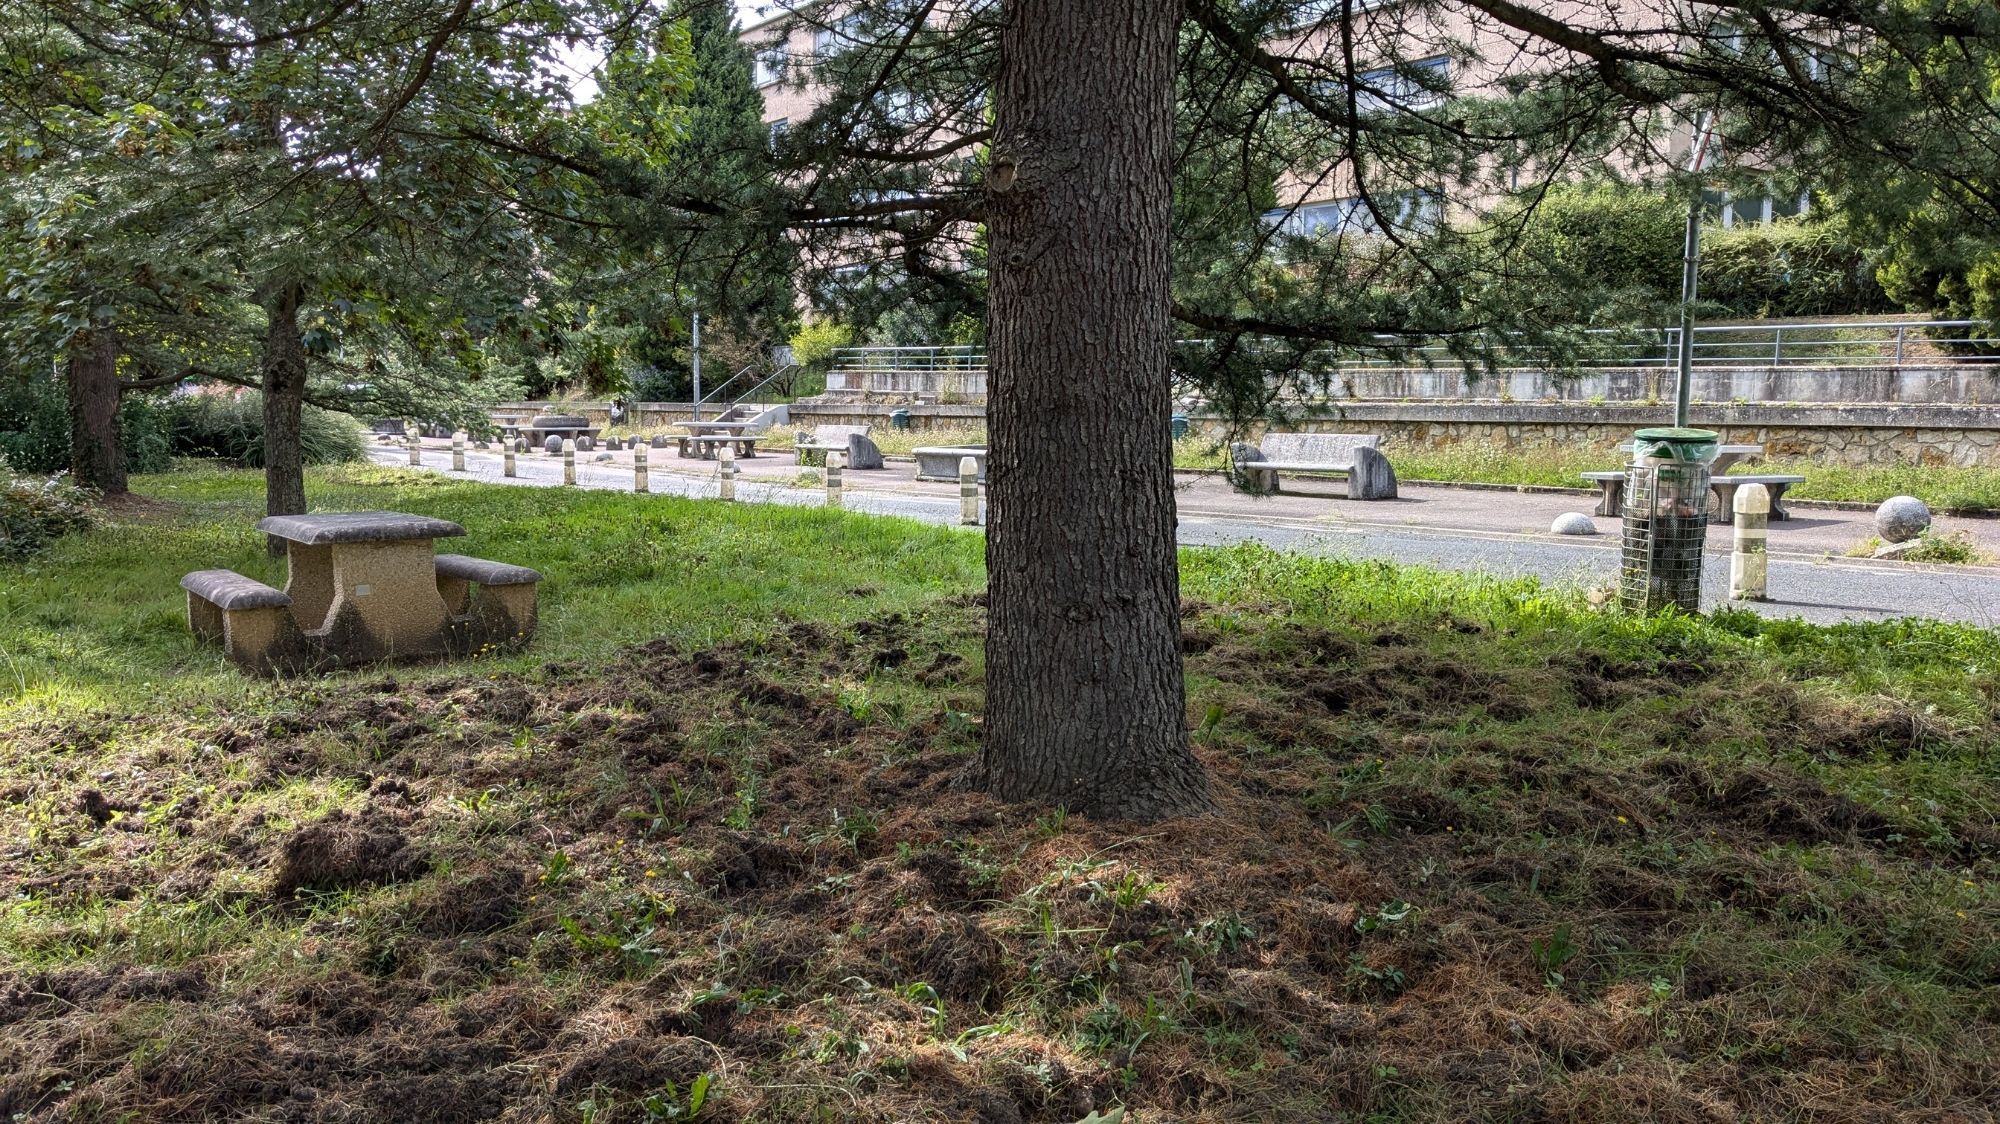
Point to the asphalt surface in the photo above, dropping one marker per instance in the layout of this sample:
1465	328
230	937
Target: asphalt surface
1492	532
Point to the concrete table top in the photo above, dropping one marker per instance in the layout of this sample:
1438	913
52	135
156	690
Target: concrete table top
357	527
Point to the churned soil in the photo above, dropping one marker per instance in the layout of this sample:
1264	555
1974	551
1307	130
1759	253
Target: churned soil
759	882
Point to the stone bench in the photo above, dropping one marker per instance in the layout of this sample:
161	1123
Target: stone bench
940	462
1353	455
852	440
503	610
252	620
1611	493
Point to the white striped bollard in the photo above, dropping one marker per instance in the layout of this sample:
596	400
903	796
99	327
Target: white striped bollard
726	473
968	491
834	463
1749	565
507	461
641	476
569	460
458	452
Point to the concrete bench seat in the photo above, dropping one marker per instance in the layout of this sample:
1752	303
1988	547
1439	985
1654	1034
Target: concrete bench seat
852	440
1353	455
1611	493
502	612
940	462
252	620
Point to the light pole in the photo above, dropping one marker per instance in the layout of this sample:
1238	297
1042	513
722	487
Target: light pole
697	366
1704	132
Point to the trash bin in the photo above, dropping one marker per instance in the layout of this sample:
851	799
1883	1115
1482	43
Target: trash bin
899	419
1665	519
1179	424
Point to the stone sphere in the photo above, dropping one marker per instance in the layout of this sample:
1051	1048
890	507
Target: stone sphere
1573	523
1902	518
552	444
520	444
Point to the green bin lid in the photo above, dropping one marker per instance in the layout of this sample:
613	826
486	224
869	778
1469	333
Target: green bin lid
1674	433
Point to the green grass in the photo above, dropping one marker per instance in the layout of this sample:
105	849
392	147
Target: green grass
1486	852
100	617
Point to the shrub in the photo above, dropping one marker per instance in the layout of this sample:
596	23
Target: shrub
814	345
34	428
231	428
36	511
1790	267
1617	247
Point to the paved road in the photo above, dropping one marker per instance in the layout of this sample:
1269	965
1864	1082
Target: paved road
1803	584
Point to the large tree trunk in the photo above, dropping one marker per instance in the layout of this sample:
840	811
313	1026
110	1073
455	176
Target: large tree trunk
1085	701
96	451
284	383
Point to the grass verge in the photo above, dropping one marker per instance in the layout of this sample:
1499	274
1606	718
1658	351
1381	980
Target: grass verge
1484	854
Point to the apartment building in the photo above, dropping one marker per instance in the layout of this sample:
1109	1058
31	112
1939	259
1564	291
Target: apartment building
1414	60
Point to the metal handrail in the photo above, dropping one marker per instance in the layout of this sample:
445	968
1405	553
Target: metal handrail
717	389
767	380
1715	345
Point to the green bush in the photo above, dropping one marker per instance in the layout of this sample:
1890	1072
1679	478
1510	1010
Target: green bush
1792	267
814	345
34	428
230	427
34	425
36	511
1618	248
1608	246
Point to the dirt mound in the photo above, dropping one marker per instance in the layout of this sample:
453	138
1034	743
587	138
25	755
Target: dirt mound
341	851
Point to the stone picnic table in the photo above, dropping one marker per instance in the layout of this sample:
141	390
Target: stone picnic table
362	586
703	437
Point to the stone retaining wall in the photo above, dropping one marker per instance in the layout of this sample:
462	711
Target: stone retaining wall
1848	435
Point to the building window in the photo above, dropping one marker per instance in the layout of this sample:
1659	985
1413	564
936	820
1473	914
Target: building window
779	128
1407	211
1406	86
770	66
1755	210
838	36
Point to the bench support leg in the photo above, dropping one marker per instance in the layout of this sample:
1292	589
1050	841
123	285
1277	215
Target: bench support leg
1611	497
204	619
262	641
1370	478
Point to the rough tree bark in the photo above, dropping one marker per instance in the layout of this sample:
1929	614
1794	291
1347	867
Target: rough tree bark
284	385
96	451
1085	698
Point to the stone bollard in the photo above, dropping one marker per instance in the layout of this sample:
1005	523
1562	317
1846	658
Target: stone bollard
458	452
727	473
1749	564
834	463
507	462
640	476
569	461
968	491
415	443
